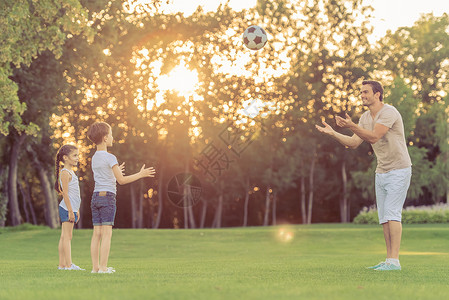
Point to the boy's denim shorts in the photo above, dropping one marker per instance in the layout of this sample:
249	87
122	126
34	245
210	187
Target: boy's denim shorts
64	215
103	207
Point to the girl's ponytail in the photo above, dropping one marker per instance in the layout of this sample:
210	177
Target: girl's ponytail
57	186
64	150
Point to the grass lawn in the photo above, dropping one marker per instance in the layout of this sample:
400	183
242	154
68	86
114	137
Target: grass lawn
323	261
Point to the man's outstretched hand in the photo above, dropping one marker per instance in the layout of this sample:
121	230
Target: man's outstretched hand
344	122
327	129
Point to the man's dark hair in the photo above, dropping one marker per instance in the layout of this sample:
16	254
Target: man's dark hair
97	131
376	86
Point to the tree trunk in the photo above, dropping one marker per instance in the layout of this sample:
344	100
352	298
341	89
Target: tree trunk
25	199
16	218
186	215
267	206
274	209
191	216
30	204
3	195
245	208
140	212
344	208
160	199
312	172
51	202
447	155
151	216
188	203
186	199
303	201
218	211
203	214
133	206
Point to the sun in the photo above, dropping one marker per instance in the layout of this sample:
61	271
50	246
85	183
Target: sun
180	79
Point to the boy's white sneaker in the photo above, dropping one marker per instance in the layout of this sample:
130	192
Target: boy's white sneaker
75	268
109	270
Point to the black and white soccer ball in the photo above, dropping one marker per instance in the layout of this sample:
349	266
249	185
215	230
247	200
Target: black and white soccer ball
254	37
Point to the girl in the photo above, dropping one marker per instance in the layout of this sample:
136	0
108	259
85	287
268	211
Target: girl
67	184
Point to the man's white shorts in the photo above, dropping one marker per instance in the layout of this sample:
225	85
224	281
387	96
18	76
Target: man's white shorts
391	191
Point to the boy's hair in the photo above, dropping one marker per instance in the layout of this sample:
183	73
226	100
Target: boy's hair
64	150
376	86
97	131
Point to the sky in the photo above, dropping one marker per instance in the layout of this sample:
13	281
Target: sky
388	14
391	14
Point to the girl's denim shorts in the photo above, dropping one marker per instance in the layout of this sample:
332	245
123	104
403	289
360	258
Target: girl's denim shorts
64	215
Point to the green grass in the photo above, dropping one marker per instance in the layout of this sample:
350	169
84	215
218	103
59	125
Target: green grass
322	261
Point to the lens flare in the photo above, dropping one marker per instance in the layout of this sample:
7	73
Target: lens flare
285	234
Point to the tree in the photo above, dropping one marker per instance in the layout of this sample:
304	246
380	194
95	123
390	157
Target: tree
28	28
419	55
40	88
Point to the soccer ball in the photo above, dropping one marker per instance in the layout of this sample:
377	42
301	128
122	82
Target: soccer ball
254	37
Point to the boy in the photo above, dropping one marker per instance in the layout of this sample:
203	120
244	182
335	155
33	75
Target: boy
106	172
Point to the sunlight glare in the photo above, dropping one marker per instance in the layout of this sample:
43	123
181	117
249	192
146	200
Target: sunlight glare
180	79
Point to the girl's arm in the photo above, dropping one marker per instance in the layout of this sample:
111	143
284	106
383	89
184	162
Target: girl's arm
65	179
149	172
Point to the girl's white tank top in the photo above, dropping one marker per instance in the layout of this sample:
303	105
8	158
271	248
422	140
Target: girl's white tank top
74	192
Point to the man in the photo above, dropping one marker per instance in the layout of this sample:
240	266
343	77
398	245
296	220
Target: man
382	127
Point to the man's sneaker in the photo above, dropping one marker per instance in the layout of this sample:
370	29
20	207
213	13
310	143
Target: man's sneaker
75	267
388	267
378	265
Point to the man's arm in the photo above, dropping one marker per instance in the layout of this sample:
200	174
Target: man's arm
348	141
371	137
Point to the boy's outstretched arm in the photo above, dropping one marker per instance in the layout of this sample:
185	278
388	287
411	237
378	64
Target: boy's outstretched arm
349	141
121	179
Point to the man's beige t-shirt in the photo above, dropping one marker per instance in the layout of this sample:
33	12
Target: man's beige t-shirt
391	150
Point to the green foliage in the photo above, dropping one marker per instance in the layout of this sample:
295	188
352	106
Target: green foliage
367	217
23	227
417	54
27	28
410	215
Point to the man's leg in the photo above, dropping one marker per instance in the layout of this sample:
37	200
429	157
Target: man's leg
395	238
392	233
387	236
380	202
398	182
381	195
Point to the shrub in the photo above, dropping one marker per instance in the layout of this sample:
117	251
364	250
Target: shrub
438	213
